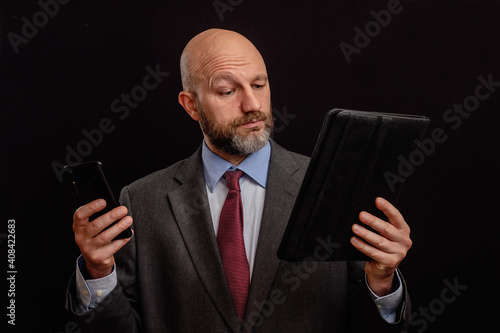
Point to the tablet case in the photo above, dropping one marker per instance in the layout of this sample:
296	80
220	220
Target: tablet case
356	159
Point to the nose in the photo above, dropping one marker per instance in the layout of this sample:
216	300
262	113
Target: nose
250	102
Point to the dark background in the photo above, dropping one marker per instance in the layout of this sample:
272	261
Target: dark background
63	80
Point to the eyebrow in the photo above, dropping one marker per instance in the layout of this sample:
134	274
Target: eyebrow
261	77
230	77
223	76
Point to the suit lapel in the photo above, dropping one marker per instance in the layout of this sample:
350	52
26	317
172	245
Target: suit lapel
281	192
192	213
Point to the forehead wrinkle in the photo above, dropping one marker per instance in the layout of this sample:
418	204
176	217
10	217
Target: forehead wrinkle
222	68
225	65
213	64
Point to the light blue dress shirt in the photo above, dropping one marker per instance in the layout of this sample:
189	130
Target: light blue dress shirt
253	190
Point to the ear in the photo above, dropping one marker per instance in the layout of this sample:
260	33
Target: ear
188	102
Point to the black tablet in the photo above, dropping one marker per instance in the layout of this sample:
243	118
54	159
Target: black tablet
357	158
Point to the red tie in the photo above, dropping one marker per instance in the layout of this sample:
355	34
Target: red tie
232	245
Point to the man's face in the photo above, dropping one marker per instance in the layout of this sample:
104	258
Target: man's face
234	103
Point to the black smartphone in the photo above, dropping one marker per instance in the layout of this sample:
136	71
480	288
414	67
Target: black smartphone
90	184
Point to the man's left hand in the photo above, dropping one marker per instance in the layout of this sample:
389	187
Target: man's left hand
387	249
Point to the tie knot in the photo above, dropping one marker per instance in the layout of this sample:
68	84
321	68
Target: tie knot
233	179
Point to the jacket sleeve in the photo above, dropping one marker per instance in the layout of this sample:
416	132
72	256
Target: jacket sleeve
119	311
364	315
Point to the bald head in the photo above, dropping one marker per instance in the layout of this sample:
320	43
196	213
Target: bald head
212	49
226	90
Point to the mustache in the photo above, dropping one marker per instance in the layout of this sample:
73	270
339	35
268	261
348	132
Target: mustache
252	116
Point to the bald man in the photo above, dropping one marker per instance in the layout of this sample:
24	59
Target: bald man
206	229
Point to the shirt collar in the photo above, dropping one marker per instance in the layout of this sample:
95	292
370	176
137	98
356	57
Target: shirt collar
254	165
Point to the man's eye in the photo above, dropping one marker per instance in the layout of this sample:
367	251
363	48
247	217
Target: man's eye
258	86
226	93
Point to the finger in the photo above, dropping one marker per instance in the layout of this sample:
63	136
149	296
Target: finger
100	260
102	222
392	213
100	257
82	214
115	245
382	227
104	254
369	250
107	236
378	241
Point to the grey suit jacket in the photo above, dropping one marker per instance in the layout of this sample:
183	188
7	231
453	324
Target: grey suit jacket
171	278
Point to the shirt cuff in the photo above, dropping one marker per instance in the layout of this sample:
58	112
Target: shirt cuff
388	305
92	291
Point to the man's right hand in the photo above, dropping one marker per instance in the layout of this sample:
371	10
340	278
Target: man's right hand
97	246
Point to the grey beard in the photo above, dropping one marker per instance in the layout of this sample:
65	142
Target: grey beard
232	143
245	145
